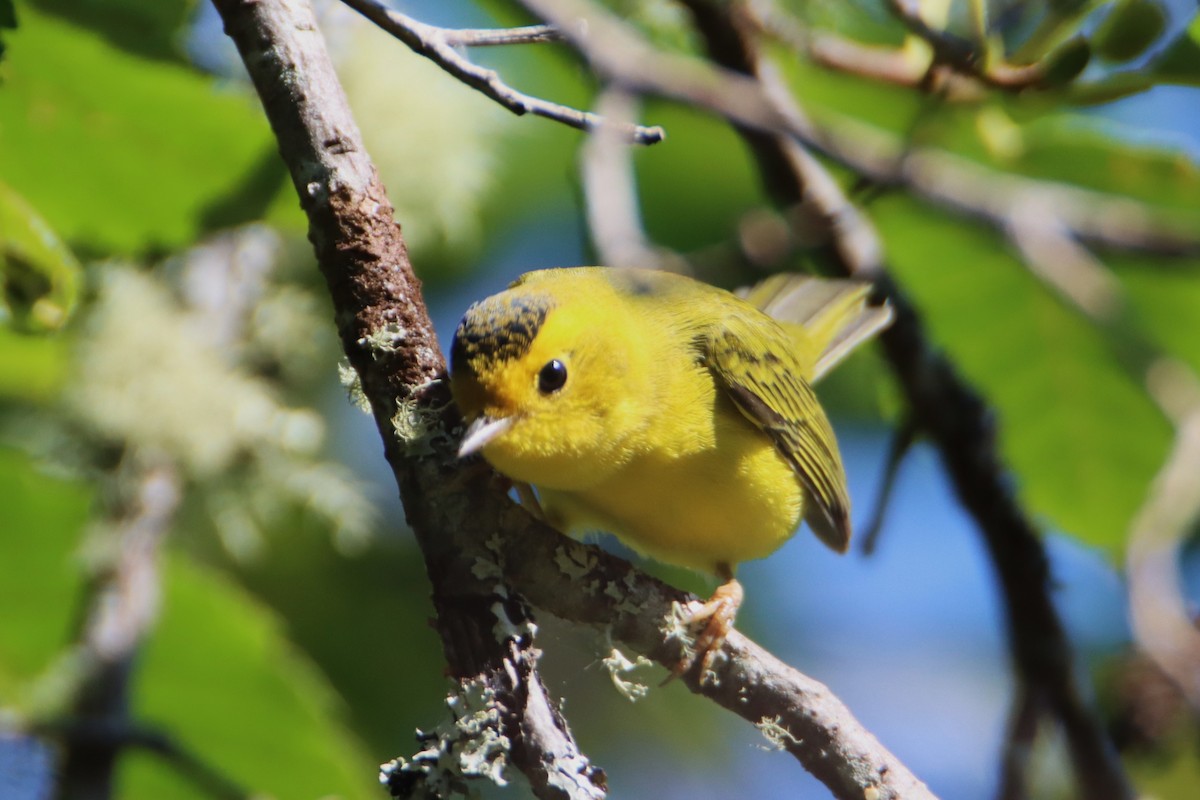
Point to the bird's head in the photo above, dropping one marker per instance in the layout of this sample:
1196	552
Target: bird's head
551	383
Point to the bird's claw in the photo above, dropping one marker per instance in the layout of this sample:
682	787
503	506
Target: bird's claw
717	616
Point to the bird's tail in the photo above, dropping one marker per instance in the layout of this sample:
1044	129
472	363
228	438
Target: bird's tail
834	314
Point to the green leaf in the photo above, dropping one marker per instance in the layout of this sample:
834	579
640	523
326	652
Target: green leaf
1067	61
154	30
40	519
220	678
32	368
217	675
122	154
1082	437
8	20
1128	29
1180	63
39	275
336	605
1165	296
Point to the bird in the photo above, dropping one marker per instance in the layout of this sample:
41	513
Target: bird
674	414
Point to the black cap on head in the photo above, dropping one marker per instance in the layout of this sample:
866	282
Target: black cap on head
499	328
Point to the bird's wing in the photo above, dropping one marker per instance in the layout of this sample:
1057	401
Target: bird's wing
766	383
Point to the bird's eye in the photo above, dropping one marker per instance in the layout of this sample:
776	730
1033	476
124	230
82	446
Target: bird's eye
552	377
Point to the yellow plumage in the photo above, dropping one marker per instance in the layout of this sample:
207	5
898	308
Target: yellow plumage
671	413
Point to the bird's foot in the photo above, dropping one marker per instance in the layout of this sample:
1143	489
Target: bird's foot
717	616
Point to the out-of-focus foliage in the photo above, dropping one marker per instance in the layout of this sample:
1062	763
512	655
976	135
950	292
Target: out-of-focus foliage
8	20
292	653
123	154
221	671
41	518
39	276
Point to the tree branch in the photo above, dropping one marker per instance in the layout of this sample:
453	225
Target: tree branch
122	606
437	44
470	535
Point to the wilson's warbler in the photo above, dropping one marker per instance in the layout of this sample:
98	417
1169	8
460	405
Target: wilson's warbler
671	413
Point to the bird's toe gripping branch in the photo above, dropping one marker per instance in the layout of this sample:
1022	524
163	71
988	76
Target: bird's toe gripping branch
717	617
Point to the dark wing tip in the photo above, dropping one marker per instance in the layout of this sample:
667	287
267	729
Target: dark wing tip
831	523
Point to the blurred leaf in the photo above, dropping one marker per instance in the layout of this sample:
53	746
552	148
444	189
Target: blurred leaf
1172	770
339	606
152	29
1076	150
40	523
219	677
39	275
8	20
1129	28
1180	63
1067	61
1082	437
128	159
691	200
1166	301
32	368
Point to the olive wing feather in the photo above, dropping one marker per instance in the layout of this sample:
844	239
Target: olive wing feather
766	382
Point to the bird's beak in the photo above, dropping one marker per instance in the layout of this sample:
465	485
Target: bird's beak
480	432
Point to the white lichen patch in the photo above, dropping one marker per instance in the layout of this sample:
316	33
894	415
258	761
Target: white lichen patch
349	378
470	744
678	624
415	425
385	339
777	736
486	570
619	667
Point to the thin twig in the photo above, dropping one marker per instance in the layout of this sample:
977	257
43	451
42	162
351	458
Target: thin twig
492	37
1018	746
438	45
122	607
1158	604
114	735
902	441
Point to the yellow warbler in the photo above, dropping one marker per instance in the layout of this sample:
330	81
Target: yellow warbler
671	413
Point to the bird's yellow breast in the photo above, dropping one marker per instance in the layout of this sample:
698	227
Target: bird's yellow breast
701	487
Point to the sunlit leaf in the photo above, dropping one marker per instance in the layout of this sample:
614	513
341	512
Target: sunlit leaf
219	677
8	20
151	29
41	519
1128	29
32	368
1181	61
1082	437
38	274
120	153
